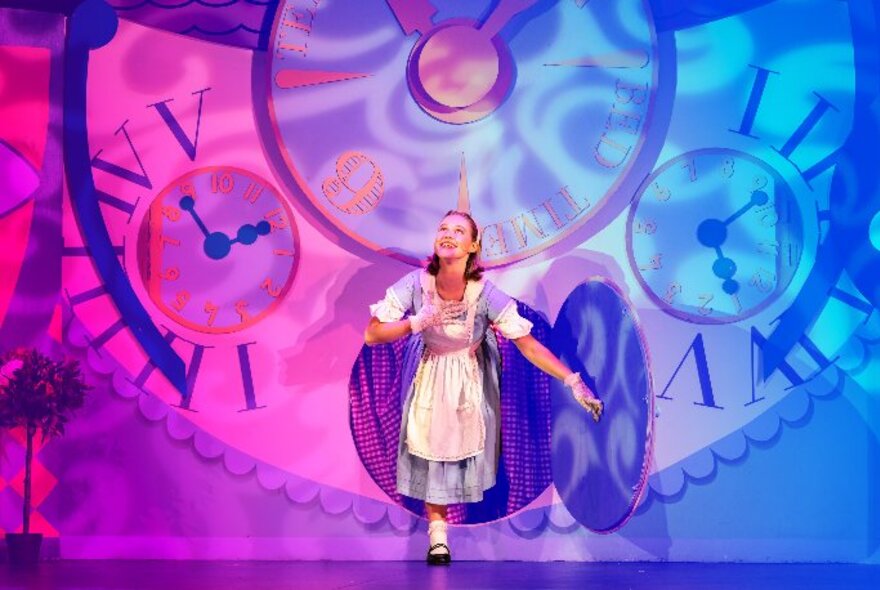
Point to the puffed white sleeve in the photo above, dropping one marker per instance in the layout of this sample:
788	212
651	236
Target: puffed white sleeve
397	301
504	316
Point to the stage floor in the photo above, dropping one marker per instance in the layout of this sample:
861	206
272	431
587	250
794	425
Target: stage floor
509	575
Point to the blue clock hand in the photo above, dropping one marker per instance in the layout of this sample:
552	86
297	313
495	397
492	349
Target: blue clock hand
217	244
759	198
188	204
248	234
712	233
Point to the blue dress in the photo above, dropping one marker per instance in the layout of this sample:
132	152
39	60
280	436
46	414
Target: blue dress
422	472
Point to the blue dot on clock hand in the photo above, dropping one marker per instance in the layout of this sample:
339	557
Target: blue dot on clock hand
187	203
712	233
248	234
217	245
730	286
760	198
724	268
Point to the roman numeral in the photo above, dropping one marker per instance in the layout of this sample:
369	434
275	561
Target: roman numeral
759	86
84	251
102	338
189	145
116	202
149	367
791	375
800	134
88	295
192	373
247	378
699	351
124	173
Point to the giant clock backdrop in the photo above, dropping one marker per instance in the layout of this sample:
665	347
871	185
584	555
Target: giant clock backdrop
245	178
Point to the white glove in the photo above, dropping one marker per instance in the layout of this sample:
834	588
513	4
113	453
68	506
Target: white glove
436	315
583	395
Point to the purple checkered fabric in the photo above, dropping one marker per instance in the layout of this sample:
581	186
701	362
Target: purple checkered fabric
376	402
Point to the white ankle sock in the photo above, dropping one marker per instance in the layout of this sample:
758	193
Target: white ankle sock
437	534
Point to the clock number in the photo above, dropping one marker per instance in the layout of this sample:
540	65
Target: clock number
654	263
763	280
267	286
187	189
737	305
172	273
672	290
771	248
704	309
163	239
662	193
280	252
181	300
211	309
358	174
295	29
649	226
759	182
769	215
252	192
171	212
691	167
276	219
728	167
240	306
222	182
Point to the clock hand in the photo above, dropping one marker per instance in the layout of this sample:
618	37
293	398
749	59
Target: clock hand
217	244
759	199
189	204
413	15
504	11
248	234
712	233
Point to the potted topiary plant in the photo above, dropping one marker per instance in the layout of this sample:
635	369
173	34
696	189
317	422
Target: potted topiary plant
38	394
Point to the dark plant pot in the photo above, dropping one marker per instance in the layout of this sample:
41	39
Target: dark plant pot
23	549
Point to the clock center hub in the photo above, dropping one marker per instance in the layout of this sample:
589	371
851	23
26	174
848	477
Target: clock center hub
458	66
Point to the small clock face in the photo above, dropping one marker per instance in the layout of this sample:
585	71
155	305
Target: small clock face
715	236
217	249
548	105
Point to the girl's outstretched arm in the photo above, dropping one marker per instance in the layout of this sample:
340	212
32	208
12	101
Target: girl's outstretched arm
540	356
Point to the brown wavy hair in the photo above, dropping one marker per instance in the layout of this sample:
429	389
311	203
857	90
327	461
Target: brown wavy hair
472	270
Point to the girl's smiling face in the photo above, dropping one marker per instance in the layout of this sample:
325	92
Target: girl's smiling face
455	238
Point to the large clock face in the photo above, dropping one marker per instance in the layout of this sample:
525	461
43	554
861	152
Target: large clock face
547	104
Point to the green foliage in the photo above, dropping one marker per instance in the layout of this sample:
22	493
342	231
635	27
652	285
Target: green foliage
39	392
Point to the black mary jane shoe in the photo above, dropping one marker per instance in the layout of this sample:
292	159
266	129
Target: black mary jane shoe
439	558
